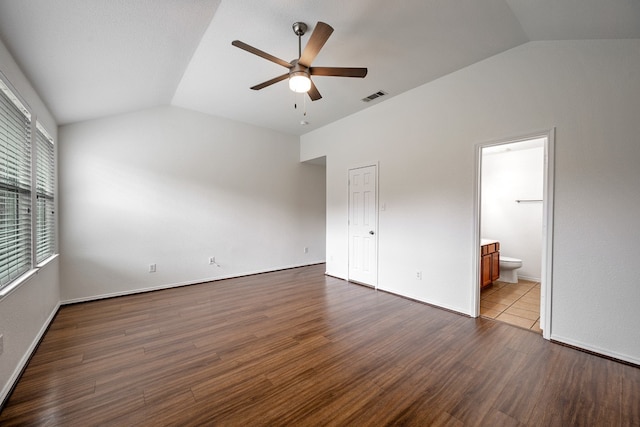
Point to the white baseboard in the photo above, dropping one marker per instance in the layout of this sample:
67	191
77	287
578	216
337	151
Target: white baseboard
447	307
187	283
595	349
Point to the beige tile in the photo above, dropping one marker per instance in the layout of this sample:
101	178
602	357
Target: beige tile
536	327
515	320
527	305
531	297
508	290
529	287
493	305
487	291
524	304
486	312
499	299
502	299
519	290
532	315
508	294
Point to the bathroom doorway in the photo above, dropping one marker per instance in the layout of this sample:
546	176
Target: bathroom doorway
513	211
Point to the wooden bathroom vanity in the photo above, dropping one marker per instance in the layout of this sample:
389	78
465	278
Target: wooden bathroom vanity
489	262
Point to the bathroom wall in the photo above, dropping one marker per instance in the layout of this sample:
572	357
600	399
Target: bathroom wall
511	173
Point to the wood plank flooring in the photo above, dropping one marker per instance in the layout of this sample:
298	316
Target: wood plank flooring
298	348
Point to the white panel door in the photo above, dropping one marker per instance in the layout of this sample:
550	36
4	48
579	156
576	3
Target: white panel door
363	226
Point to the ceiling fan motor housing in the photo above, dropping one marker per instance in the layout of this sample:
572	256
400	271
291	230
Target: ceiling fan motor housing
298	69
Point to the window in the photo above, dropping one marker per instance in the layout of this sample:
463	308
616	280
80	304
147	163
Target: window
15	187
27	187
45	176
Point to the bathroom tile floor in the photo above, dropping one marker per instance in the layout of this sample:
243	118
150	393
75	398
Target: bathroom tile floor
514	303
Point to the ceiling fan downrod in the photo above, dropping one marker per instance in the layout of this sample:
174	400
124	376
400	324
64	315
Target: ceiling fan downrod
299	28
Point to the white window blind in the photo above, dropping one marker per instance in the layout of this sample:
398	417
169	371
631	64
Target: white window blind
45	176
15	187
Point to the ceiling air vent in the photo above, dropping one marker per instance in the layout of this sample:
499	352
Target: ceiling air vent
373	96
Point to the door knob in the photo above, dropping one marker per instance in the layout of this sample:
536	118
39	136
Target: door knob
371	232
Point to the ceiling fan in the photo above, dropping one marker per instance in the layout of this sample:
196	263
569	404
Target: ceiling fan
300	69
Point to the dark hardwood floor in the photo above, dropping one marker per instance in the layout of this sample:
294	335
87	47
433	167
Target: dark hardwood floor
298	348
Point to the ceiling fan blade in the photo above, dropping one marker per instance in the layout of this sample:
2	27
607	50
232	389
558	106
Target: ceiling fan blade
338	71
270	82
318	38
313	92
260	53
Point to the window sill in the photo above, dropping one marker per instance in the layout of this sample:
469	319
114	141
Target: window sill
46	261
8	290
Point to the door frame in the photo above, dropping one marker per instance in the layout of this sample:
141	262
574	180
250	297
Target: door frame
546	285
361	165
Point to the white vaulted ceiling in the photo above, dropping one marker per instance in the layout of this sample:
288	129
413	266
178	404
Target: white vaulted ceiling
93	58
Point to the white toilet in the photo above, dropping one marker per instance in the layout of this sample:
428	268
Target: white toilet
509	269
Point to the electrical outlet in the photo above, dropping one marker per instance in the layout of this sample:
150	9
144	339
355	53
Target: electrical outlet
306	250
419	275
212	260
152	268
1	343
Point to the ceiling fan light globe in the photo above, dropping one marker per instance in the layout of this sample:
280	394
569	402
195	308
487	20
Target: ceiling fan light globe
299	83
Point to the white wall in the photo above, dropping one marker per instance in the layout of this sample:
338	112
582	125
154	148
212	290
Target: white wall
173	187
425	141
25	312
508	176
